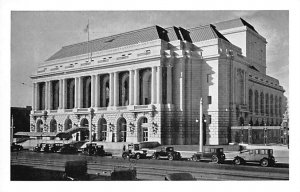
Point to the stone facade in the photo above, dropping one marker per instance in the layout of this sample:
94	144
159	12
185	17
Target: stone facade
146	85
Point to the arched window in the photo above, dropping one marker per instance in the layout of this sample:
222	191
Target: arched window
39	125
256	102
250	100
262	111
267	104
271	105
102	129
53	125
68	124
121	130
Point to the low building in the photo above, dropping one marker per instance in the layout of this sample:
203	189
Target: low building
145	85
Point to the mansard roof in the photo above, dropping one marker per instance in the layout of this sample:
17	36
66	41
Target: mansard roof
204	33
196	34
114	41
233	24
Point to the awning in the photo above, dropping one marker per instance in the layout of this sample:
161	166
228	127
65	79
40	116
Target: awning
36	134
69	132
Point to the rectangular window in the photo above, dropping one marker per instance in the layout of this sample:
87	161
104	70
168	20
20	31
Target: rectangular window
209	99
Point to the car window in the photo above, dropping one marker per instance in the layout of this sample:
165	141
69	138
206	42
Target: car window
251	152
256	151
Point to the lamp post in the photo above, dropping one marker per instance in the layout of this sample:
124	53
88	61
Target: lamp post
90	125
200	127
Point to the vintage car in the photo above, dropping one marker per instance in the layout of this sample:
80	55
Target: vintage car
215	155
38	147
55	147
45	147
16	147
134	151
179	177
68	149
95	149
263	156
168	153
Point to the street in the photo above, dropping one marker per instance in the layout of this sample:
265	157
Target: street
149	169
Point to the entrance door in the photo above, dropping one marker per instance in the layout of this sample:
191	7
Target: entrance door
145	133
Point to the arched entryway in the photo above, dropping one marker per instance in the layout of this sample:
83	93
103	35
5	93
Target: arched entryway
84	135
143	130
39	125
68	124
84	123
121	130
53	125
102	129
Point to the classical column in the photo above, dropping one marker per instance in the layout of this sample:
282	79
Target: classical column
131	87
47	93
34	97
153	84
159	85
116	89
60	94
49	97
169	84
64	94
111	89
93	91
37	99
97	102
76	93
80	99
136	87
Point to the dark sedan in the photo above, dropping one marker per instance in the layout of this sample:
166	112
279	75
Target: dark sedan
68	149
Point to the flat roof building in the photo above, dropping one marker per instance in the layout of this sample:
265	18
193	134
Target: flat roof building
145	85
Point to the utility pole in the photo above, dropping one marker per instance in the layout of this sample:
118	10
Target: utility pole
201	127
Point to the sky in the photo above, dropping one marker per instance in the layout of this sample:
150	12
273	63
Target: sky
36	35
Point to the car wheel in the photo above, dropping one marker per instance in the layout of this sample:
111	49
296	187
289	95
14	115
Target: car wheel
194	158
237	161
125	156
214	159
138	156
170	157
264	162
153	156
157	156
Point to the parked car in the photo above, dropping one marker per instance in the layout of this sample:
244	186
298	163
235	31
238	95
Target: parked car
179	177
215	155
55	147
95	149
38	147
168	153
134	151
263	156
16	147
68	149
45	147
